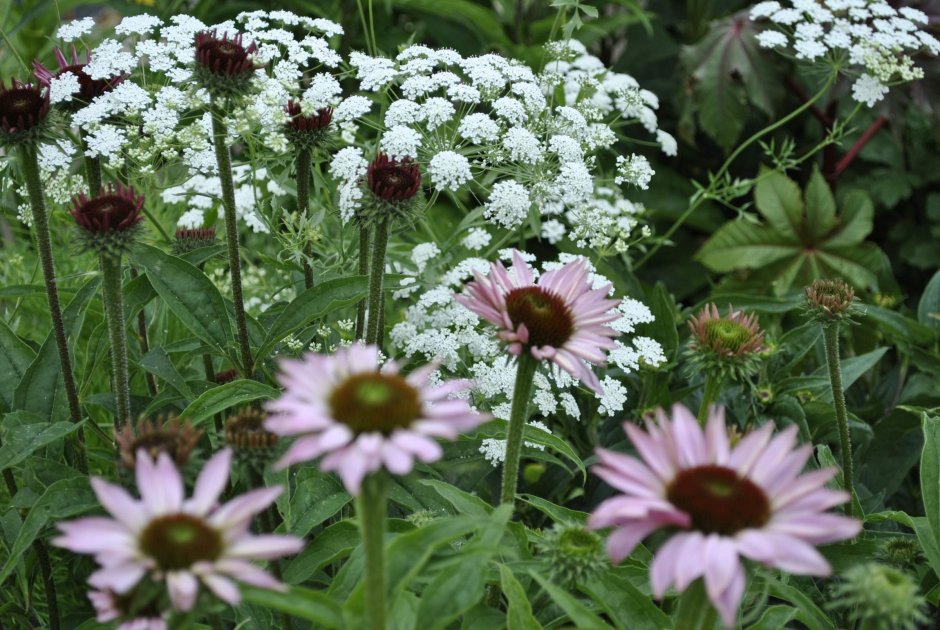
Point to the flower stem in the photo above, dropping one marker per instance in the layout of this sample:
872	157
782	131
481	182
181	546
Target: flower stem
522	390
831	341
363	270
371	511
224	159
303	206
30	164
114	312
695	612
379	245
713	384
92	168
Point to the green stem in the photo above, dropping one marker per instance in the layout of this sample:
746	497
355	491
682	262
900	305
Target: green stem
30	164
525	375
114	312
363	270
92	168
714	381
303	206
224	159
695	612
379	245
702	196
831	340
371	511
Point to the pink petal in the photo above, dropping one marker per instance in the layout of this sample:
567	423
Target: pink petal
623	540
264	547
665	564
183	588
223	588
728	602
721	565
244	571
94	534
242	507
119	503
690	564
119	578
160	484
211	482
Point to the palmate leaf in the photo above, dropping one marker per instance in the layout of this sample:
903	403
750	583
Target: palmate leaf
802	238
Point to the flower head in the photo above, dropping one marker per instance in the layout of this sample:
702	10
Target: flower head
165	536
729	344
748	500
88	88
361	417
307	130
109	220
393	180
829	301
880	597
176	439
224	65
24	108
189	239
245	433
558	318
573	553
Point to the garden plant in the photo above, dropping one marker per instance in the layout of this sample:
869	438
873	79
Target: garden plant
459	314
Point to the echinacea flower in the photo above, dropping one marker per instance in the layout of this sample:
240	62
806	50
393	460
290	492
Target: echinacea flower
727	502
109	220
558	318
23	108
393	180
188	239
88	88
361	417
310	123
729	344
829	300
171	436
165	536
224	56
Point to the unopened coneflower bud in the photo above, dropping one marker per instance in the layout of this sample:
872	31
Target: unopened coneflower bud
226	376
729	344
307	130
88	88
391	186
223	65
24	113
573	554
110	220
171	436
765	395
830	300
246	434
905	553
189	239
880	597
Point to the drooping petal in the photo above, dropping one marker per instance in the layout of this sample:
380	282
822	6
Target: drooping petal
183	588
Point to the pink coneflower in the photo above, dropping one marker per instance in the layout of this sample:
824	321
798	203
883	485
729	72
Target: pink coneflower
558	318
749	500
183	541
361	417
88	88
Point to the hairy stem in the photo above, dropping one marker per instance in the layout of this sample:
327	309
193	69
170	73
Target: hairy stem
144	342
713	384
363	270
831	340
210	376
371	511
30	165
224	159
303	206
114	313
268	525
522	390
377	272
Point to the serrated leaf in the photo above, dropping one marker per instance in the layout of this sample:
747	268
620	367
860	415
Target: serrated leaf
779	201
742	245
218	399
820	205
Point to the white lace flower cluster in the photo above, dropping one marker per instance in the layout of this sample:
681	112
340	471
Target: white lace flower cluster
436	327
875	38
492	125
201	193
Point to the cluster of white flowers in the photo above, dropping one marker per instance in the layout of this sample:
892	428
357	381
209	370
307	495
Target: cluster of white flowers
437	328
876	39
201	193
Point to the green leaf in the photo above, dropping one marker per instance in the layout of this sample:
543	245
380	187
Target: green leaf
930	473
311	305
463	502
218	399
928	309
778	199
927	537
318	497
62	499
464	13
302	603
409	552
820	205
498	428
557	513
578	613
742	245
809	613
623	603
24	433
852	369
15	357
857	220
663	327
158	363
334	543
774	618
519	615
190	295
898	326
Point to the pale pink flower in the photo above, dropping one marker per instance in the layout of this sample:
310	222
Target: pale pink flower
558	318
109	607
749	500
361	417
183	541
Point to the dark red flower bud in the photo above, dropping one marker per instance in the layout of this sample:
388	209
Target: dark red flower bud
113	209
299	121
393	180
22	106
224	56
88	88
188	239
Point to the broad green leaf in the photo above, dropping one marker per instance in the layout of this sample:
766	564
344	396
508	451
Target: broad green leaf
311	305
190	295
464	13
218	399
25	432
927	537
519	615
928	309
557	513
628	607
774	618
858	265
778	199
451	593
409	552
852	369
334	543
809	613
317	498
663	327
897	325
579	614
498	428
15	357
820	205
463	502
42	388
742	245
158	363
857	220
930	473
62	499
302	603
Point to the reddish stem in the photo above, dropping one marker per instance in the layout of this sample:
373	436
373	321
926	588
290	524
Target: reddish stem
796	89
846	160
